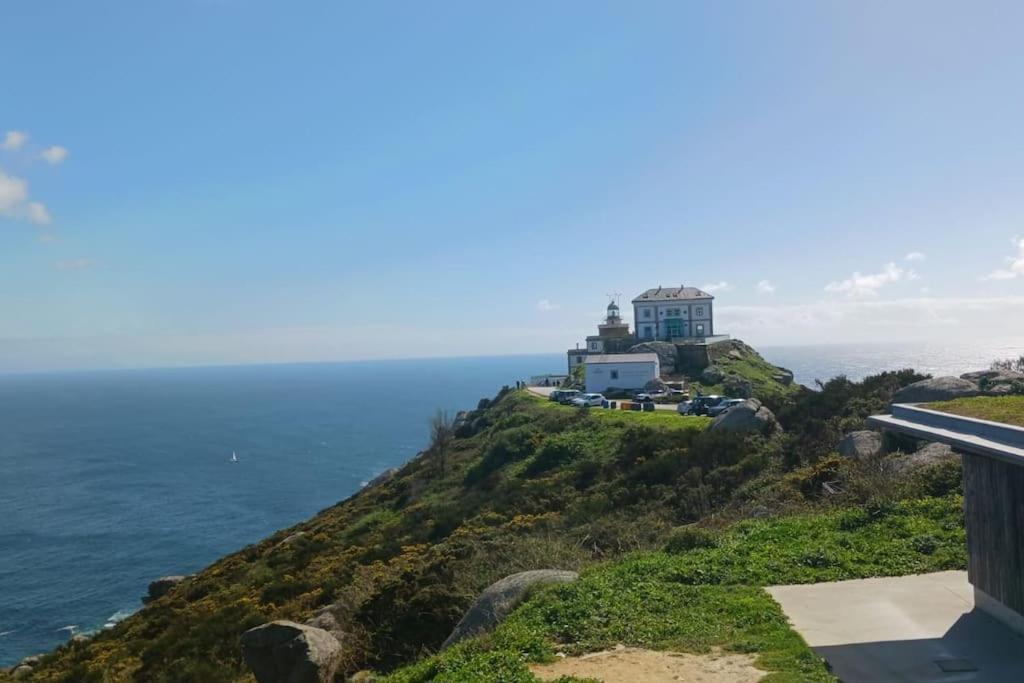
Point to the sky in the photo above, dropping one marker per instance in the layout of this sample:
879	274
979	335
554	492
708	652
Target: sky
196	182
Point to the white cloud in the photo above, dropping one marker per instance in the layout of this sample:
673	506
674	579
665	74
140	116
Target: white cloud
914	256
1016	265
75	264
38	213
765	287
874	320
54	155
14	202
13	193
717	287
14	139
859	285
545	305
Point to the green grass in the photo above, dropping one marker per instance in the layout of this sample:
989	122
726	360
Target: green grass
1006	409
712	596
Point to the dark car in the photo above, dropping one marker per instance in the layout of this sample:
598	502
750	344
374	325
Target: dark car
702	405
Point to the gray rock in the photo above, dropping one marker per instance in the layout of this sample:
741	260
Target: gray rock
79	639
749	416
31	660
784	377
383	477
735	354
927	456
993	376
861	444
936	389
712	374
500	598
287	652
162	586
666	354
21	671
738	387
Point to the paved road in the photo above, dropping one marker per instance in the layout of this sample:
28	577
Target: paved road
546	392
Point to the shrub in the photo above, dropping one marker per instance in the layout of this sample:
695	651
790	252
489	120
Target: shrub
688	538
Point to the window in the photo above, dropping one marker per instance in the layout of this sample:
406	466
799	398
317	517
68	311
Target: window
673	312
700	311
700	331
579	359
593	346
647	313
647	332
615	374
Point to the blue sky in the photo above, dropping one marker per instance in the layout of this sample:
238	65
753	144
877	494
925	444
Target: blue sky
218	181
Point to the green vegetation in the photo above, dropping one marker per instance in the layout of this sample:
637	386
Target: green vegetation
708	597
1006	409
652	507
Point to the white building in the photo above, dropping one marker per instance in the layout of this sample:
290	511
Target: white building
620	370
674	314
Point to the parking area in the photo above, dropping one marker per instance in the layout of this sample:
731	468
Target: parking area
545	392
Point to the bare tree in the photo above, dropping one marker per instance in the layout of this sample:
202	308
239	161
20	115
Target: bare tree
442	431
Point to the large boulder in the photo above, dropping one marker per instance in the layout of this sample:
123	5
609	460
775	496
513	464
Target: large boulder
666	354
287	652
738	387
783	377
162	586
860	445
936	389
749	416
996	382
500	598
21	671
712	374
929	455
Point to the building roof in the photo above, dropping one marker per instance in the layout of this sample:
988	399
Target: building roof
621	358
672	294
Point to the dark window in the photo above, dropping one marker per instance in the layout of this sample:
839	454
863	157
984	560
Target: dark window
647	332
700	310
647	313
615	374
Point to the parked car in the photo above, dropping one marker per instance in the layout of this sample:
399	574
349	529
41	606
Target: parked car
716	410
684	407
563	396
643	397
587	400
702	404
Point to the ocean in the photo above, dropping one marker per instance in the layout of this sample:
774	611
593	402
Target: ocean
111	479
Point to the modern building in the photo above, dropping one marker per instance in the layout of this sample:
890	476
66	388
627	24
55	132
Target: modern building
674	314
620	370
612	336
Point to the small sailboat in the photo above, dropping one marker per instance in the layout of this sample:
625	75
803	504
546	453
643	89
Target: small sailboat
234	457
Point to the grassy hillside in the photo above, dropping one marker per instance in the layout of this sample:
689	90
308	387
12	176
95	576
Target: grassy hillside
527	484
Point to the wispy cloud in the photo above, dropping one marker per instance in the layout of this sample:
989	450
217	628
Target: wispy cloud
14	139
914	256
765	287
15	204
713	287
75	264
859	285
1015	265
546	306
54	155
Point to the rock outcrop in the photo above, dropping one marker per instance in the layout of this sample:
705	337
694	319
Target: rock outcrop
749	416
712	374
860	445
381	478
928	455
936	389
162	586
287	652
738	387
783	377
996	381
500	598
666	354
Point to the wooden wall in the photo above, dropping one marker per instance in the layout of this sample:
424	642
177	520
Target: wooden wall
994	511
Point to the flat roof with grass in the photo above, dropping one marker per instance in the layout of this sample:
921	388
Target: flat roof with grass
1005	409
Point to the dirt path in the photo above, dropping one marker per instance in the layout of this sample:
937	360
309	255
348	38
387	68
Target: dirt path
629	665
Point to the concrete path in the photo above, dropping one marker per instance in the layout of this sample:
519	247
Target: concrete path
912	628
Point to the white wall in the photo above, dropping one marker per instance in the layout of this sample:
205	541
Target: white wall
600	376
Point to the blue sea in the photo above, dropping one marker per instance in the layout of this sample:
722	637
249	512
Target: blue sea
111	479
